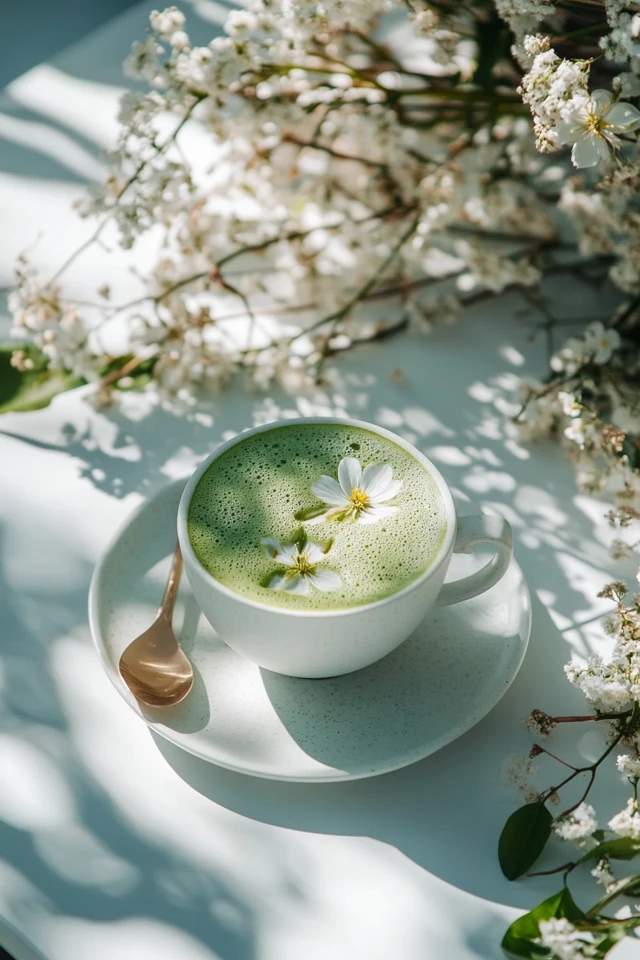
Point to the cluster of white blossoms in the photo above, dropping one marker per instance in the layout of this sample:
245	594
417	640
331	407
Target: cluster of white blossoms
627	822
565	941
596	345
523	16
578	826
612	685
317	157
54	326
612	690
564	112
552	88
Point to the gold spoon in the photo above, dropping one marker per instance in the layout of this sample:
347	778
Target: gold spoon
154	666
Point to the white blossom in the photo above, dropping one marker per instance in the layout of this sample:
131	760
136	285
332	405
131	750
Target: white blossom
523	16
628	765
240	22
358	495
571	357
609	686
554	89
602	873
578	826
576	431
564	940
491	269
167	22
301	562
593	126
570	406
622	41
627	822
144	62
601	341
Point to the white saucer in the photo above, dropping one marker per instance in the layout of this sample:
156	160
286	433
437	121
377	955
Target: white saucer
429	691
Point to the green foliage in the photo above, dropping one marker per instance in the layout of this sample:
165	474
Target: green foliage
623	848
311	512
518	942
32	389
523	839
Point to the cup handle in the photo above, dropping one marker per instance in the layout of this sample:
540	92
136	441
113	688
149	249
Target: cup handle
485	528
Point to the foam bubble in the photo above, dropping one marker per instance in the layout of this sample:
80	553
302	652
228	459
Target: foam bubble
255	488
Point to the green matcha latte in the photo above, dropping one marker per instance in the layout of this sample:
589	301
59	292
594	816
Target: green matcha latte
316	517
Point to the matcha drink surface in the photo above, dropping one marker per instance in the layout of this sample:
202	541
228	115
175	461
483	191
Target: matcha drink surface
254	490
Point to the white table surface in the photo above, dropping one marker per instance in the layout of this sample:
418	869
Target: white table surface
114	843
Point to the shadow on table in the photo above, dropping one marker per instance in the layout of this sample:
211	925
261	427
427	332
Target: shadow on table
73	865
418	698
441	812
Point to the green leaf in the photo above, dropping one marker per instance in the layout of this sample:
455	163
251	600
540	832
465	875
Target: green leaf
623	848
523	839
517	942
32	389
633	890
300	538
310	512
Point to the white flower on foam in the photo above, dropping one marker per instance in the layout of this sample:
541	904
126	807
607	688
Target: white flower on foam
592	126
601	341
301	560
358	495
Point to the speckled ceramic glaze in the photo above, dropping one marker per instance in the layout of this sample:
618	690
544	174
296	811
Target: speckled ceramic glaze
441	681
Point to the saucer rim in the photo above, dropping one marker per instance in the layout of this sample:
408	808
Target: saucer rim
332	775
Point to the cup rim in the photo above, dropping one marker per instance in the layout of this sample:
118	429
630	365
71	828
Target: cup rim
441	557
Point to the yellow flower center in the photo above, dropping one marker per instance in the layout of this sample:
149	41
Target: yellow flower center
359	499
596	123
302	565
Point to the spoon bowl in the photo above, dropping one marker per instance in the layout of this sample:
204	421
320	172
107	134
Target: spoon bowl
154	666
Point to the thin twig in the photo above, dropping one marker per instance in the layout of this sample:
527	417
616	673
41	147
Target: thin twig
545	873
366	288
132	179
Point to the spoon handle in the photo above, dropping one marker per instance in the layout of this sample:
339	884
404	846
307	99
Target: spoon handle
171	590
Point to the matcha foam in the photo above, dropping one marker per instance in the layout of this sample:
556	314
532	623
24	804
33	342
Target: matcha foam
255	489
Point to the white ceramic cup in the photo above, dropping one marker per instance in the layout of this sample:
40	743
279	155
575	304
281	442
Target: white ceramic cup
327	643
